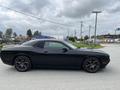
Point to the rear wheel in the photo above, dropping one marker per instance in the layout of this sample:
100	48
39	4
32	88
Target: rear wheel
22	63
91	65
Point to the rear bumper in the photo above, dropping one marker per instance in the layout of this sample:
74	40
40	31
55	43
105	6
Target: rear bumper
8	63
6	59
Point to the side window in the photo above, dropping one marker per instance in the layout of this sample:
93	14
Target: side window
54	45
40	44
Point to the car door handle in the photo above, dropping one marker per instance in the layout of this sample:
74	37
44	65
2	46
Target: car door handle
45	52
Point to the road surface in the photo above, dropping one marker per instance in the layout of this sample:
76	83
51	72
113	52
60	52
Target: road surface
107	79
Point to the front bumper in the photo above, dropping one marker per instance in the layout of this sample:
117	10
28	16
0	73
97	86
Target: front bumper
105	61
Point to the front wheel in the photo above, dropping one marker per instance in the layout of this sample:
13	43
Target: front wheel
91	65
22	63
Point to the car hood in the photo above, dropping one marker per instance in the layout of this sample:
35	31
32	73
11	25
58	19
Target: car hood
92	50
95	51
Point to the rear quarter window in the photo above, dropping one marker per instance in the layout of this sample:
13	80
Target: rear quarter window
30	43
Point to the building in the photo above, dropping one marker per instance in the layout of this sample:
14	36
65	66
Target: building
108	38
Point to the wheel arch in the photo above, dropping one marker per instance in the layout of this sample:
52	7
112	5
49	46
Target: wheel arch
21	54
89	56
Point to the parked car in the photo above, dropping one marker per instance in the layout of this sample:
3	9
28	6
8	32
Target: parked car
47	53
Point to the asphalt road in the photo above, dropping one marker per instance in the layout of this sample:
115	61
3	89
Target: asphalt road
107	79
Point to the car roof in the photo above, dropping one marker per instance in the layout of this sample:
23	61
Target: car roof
46	40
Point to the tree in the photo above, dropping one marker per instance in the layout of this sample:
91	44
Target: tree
20	35
40	33
118	29
29	33
72	39
1	34
8	33
86	37
36	33
14	34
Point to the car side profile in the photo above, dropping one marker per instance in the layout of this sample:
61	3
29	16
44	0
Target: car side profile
47	53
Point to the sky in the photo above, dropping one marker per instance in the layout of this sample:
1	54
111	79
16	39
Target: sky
66	13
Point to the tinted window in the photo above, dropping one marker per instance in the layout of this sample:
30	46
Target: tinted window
54	45
40	44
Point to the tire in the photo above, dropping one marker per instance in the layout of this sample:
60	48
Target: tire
22	63
91	65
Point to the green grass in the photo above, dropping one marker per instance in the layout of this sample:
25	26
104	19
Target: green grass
1	45
84	45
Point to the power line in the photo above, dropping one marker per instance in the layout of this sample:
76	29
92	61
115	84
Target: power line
31	15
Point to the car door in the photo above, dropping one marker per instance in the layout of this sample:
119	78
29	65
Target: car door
56	54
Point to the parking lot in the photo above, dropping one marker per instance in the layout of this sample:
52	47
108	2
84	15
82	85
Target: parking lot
107	79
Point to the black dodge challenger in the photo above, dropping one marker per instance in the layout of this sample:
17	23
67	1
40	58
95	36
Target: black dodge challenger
47	53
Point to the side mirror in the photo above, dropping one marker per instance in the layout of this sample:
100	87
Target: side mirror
65	49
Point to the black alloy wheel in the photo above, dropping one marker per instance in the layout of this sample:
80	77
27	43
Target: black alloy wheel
22	63
91	65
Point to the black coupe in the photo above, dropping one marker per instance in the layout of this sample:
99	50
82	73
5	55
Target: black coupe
47	53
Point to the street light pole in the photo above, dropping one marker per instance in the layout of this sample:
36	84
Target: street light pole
68	32
81	29
96	12
115	31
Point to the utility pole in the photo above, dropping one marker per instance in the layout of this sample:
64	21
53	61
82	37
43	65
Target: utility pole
89	32
68	32
74	33
96	12
81	29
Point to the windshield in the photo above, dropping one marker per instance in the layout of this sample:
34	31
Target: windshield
70	45
29	43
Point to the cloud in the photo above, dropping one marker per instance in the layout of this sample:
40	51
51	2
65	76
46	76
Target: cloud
114	8
61	11
81	8
29	6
